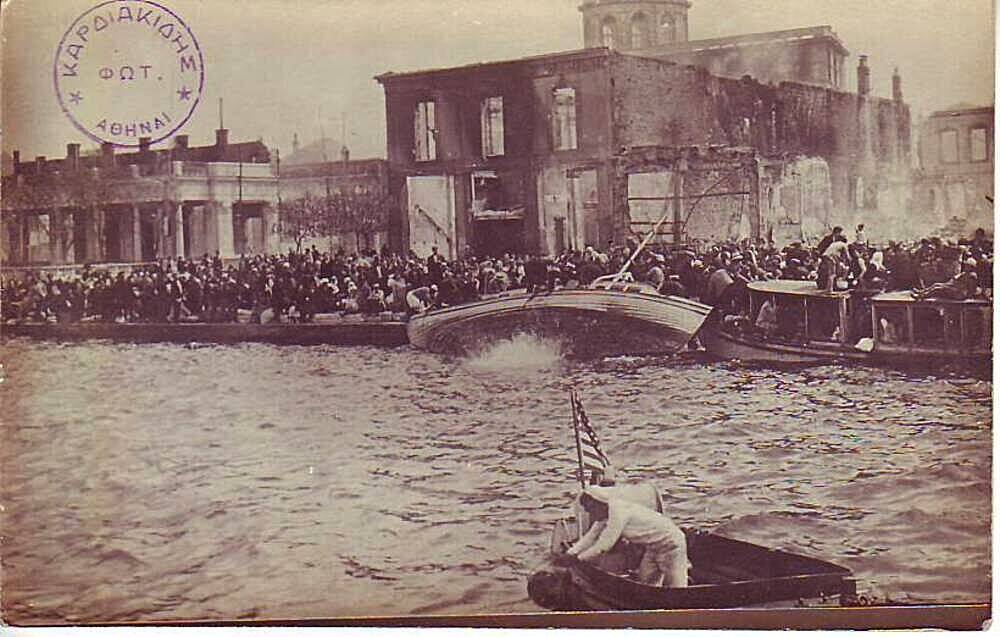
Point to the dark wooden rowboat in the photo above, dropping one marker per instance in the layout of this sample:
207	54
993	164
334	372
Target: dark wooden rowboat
725	573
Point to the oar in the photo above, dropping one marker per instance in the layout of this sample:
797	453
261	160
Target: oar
652	233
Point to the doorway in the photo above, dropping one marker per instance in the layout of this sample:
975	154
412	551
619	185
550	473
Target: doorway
494	238
560	235
431	204
112	236
147	236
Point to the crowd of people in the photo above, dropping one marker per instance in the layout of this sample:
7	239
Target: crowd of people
295	287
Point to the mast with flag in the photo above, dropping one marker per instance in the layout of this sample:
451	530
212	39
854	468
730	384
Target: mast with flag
588	448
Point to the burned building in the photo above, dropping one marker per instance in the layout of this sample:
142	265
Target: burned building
954	186
527	154
139	206
188	201
659	29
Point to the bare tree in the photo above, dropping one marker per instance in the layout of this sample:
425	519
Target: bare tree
304	218
362	213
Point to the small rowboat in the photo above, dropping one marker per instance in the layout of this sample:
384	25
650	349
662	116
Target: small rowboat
725	573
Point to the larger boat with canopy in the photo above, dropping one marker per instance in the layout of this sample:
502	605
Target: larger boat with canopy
794	322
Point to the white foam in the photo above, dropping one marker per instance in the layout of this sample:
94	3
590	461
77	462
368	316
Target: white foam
520	352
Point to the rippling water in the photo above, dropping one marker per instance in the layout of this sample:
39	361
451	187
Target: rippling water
160	482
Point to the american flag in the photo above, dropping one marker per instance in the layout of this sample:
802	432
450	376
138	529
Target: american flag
592	457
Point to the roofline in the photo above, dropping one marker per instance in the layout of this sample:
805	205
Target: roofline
763	37
589	4
593	52
955	112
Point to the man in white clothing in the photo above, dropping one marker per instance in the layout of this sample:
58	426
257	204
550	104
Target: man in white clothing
664	562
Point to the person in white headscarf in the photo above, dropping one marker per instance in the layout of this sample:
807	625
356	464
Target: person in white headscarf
664	561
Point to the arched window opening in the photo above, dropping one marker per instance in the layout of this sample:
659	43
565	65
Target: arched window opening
640	31
668	27
608	33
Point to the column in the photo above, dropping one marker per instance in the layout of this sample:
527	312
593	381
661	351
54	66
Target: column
177	229
756	215
223	218
57	236
92	233
123	221
136	233
22	249
160	231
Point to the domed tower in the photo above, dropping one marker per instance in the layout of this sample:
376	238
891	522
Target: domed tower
628	25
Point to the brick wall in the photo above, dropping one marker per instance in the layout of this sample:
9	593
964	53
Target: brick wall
865	141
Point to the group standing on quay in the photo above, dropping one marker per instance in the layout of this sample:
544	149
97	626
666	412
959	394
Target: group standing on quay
295	287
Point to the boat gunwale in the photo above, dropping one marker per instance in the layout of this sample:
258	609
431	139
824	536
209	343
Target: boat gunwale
842	573
835	351
675	301
807	289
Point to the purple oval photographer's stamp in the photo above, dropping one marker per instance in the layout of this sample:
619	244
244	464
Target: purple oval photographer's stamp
128	69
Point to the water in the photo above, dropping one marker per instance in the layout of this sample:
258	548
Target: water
160	482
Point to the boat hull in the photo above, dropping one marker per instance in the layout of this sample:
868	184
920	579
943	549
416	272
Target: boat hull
585	322
724	345
727	346
725	573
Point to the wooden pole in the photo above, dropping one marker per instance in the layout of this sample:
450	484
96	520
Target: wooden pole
576	434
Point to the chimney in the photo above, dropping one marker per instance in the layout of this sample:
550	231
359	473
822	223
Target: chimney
144	143
897	86
40	164
221	137
107	154
17	161
345	154
73	156
295	143
864	77
181	142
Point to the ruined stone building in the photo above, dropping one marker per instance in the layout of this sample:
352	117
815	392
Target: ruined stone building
954	186
179	201
139	206
749	136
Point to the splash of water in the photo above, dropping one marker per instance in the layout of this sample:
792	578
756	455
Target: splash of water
520	352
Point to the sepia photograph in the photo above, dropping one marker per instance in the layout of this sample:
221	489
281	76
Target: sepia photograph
525	314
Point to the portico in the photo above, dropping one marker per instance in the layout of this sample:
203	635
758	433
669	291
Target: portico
141	206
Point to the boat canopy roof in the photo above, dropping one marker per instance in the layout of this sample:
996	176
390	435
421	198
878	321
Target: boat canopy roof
808	289
906	297
792	288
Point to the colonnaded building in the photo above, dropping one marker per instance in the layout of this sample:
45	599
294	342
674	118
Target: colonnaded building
223	198
753	136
